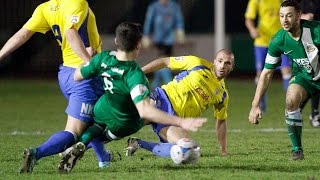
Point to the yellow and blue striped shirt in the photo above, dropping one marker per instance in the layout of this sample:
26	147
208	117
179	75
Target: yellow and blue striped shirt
61	15
196	88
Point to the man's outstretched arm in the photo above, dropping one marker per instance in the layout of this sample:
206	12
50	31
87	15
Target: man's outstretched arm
156	65
17	40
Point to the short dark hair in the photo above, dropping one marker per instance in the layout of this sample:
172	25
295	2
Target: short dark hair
291	3
128	36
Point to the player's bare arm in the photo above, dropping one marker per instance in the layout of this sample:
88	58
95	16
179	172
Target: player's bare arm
76	44
156	65
17	40
250	24
221	133
149	112
263	84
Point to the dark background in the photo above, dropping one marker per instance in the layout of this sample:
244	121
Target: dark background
198	15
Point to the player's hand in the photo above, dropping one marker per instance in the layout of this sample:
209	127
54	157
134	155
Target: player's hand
91	51
192	124
254	115
254	33
224	153
146	42
181	37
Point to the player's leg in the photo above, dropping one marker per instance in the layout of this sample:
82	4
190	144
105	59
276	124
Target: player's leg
54	145
81	98
166	134
285	71
59	140
96	131
75	153
260	55
296	94
315	116
87	92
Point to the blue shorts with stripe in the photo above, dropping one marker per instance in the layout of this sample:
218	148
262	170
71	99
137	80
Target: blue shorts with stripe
163	103
81	95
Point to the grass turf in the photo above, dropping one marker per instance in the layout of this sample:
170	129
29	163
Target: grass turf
31	110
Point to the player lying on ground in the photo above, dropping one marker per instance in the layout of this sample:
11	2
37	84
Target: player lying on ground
199	86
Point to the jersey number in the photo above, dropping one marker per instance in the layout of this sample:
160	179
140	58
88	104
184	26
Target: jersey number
57	33
107	82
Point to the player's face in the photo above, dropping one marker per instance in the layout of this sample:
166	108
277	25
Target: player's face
223	65
163	1
289	18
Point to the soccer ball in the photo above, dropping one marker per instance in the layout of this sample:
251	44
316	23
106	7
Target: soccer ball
185	151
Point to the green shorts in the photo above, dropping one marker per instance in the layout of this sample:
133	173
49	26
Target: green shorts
123	129
312	87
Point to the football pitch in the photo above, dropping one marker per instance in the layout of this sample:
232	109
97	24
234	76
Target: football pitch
31	110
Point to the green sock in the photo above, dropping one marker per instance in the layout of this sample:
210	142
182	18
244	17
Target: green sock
91	133
295	133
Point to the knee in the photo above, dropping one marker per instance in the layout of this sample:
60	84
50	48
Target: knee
292	104
175	133
75	126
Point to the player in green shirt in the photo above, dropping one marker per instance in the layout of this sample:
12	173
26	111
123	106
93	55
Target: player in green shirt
299	40
125	105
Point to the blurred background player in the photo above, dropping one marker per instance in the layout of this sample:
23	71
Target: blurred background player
74	26
311	11
125	107
262	22
199	86
163	27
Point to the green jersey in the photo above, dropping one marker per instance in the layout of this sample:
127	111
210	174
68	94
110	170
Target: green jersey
303	52
125	85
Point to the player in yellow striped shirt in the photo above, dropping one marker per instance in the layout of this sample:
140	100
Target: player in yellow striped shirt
198	86
74	27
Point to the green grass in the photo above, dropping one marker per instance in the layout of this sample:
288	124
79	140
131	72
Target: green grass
32	110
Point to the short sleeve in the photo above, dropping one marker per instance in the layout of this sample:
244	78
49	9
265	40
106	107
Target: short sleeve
252	9
138	85
187	62
273	59
37	22
220	111
76	13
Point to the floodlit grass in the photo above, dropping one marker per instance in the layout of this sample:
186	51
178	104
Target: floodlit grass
32	110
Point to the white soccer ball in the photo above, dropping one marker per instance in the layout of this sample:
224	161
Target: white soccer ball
185	151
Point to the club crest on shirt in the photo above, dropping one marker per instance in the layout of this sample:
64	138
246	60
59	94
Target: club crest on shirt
310	48
74	19
54	7
178	58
